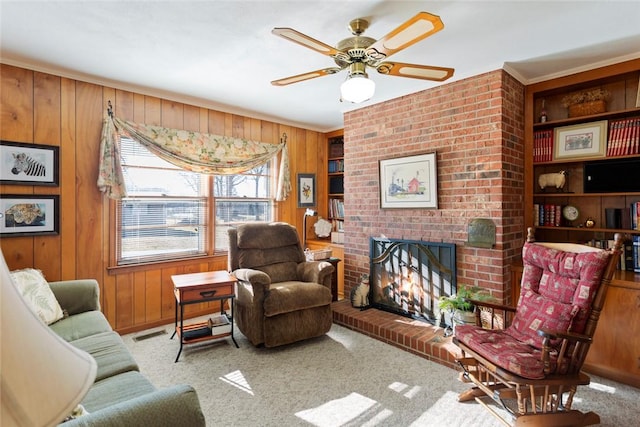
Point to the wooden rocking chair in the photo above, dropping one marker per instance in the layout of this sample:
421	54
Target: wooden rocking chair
525	363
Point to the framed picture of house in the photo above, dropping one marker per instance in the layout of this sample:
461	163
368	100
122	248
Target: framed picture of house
306	190
409	182
582	141
29	215
28	164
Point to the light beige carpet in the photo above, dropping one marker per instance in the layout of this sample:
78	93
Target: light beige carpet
341	379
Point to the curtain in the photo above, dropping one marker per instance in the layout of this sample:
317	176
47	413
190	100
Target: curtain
193	151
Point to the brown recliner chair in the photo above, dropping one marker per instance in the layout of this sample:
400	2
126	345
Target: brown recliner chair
281	297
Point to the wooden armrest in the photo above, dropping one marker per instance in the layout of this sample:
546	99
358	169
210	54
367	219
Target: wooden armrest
570	336
492	305
571	348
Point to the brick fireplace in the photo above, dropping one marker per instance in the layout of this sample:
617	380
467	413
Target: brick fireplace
406	279
476	127
415	336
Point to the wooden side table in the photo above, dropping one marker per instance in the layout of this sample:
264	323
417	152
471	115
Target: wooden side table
201	287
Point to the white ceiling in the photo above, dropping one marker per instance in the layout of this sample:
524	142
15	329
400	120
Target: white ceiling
222	55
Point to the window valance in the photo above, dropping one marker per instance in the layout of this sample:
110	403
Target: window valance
193	151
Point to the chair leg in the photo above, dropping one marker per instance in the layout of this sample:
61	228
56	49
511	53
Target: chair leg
558	419
470	394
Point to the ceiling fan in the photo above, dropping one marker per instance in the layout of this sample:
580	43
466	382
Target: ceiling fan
359	52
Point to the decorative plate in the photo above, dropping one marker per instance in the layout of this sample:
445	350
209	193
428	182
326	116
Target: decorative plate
322	228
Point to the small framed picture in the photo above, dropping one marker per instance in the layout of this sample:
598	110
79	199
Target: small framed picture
28	164
29	215
306	190
409	182
582	141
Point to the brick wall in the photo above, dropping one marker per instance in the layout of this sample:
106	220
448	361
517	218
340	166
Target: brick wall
476	127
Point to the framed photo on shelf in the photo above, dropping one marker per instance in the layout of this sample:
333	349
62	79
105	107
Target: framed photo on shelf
409	182
28	164
306	190
585	140
29	215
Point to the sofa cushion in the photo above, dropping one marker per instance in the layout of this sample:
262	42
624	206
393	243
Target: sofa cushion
110	352
38	295
116	389
285	297
81	325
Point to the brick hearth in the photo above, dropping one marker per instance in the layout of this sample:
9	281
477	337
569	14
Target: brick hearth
420	338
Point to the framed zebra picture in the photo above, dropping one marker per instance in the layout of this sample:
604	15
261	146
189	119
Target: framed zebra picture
29	215
28	164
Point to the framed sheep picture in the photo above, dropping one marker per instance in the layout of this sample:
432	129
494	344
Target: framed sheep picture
28	164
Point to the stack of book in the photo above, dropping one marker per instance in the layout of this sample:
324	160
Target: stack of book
624	137
543	146
630	257
219	325
547	215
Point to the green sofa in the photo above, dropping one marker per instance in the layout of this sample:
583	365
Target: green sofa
120	395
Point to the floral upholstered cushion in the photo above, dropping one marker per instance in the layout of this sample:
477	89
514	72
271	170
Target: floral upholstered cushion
537	312
37	294
504	350
557	290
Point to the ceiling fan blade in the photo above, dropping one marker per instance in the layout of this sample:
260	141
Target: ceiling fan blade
306	76
415	29
424	72
306	41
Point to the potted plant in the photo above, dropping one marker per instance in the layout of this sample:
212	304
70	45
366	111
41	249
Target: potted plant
461	310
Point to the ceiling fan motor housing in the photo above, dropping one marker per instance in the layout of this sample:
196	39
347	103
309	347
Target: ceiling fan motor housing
356	49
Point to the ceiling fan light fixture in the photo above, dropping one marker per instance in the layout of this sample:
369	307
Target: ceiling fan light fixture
357	88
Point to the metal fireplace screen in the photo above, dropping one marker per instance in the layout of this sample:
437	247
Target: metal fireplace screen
408	276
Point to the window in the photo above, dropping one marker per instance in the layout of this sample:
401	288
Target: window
166	213
240	199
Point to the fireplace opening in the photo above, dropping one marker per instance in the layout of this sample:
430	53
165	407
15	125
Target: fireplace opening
408	277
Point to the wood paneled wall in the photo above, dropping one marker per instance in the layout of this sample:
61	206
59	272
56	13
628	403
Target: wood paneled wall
46	109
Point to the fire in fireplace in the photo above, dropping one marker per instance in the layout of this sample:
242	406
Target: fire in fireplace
407	276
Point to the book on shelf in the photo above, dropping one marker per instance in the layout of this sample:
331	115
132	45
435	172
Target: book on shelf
219	324
337	237
543	146
636	253
547	215
634	213
336	208
191	334
336	149
336	166
624	137
627	255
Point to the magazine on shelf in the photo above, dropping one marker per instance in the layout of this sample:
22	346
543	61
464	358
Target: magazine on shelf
219	324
